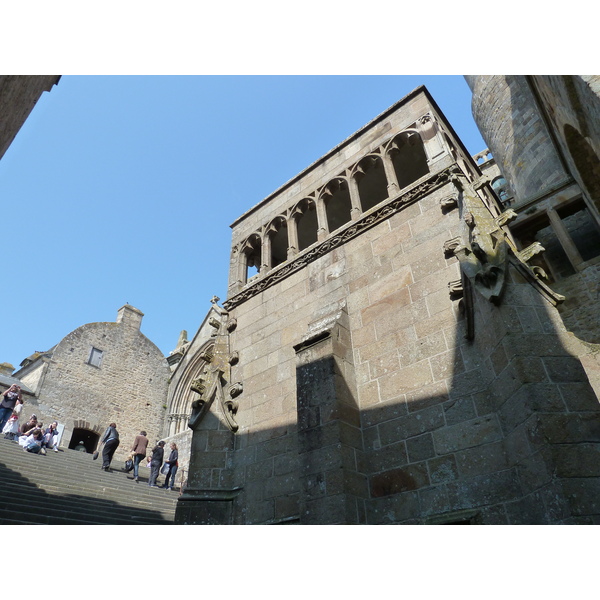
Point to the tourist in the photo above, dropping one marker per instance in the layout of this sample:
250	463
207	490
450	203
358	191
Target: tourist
140	444
9	400
11	429
110	439
32	442
173	464
156	462
29	425
51	437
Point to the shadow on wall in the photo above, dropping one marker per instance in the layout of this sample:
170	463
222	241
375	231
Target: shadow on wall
514	440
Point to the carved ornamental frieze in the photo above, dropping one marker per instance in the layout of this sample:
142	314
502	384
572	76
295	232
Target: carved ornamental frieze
344	234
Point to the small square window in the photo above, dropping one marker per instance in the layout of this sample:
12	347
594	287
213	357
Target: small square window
95	358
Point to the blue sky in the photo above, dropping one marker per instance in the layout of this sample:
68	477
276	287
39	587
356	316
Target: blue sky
122	189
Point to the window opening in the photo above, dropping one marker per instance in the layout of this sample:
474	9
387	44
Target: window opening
409	159
253	257
582	228
337	204
372	182
554	259
500	186
306	224
95	358
279	242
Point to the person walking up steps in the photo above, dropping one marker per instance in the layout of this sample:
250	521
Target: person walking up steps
140	445
157	460
110	439
173	465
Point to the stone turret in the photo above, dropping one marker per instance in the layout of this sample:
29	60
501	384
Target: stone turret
504	109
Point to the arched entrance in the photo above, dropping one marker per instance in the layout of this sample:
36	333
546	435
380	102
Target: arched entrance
87	437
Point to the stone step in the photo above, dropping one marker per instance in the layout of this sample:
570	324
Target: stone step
68	487
127	507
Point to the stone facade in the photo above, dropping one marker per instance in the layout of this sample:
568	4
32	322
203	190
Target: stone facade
18	95
397	358
97	374
544	134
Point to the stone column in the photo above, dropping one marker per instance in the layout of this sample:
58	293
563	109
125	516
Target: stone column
292	237
329	435
265	253
565	239
356	209
393	188
242	267
323	227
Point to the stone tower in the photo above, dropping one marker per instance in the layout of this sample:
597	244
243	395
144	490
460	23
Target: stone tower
386	354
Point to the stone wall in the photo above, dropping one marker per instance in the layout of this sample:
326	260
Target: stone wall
505	112
129	386
407	368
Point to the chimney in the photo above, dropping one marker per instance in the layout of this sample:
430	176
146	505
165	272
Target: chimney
6	369
129	315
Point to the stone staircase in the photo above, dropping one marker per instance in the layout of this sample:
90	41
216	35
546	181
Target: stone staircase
69	488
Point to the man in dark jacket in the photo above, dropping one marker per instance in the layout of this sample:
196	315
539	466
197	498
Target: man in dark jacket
110	439
158	454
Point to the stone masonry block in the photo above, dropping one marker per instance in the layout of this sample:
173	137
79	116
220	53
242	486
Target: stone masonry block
420	448
428	419
395	481
565	369
459	410
477	432
442	469
484	490
481	460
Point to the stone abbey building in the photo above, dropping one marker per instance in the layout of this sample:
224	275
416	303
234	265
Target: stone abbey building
410	335
389	351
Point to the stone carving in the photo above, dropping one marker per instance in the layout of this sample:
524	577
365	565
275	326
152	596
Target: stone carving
230	410
236	389
469	220
234	358
216	374
455	289
451	246
207	355
448	203
528	253
231	324
198	386
506	217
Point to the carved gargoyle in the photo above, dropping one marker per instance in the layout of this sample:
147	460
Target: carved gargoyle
485	267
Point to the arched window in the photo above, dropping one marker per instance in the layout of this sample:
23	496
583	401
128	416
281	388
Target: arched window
500	186
252	253
337	203
372	182
306	223
409	158
279	241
